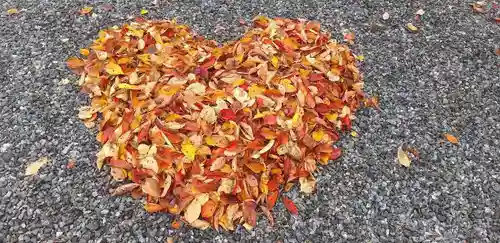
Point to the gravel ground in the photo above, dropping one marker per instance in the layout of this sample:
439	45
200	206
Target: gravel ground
445	78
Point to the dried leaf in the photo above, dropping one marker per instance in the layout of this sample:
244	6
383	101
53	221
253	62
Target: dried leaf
403	157
33	167
411	27
189	150
306	185
290	205
151	187
113	69
12	11
451	138
86	10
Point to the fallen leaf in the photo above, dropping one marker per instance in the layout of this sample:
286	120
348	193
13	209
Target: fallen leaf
33	167
71	164
403	157
113	69
290	205
420	12
176	224
86	10
307	185
144	11
411	27
451	138
12	11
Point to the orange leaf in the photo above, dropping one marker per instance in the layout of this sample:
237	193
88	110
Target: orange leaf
255	167
208	209
75	62
153	207
176	224
451	138
290	205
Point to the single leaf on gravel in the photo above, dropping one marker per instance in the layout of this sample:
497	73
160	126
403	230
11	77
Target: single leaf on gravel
144	11
33	167
411	27
12	11
290	205
452	139
403	157
86	10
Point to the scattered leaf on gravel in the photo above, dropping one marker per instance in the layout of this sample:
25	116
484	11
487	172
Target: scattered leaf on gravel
86	10
451	138
411	27
33	168
71	164
403	158
212	133
144	11
12	11
290	205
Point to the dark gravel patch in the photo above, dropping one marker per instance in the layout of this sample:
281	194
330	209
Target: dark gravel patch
444	77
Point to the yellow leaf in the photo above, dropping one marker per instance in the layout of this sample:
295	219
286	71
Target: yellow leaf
360	58
332	117
255	90
289	88
354	134
238	82
33	168
12	11
188	149
451	138
172	117
403	158
318	135
144	11
128	86
411	27
113	69
84	52
291	42
275	62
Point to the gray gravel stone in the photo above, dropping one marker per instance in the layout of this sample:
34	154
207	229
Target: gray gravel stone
444	78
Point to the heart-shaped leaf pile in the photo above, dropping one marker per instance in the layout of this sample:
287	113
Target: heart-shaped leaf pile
213	133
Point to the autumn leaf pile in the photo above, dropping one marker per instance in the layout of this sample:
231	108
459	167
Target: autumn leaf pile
215	133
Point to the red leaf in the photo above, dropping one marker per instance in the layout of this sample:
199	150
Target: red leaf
227	114
337	152
249	213
270	120
290	206
272	197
